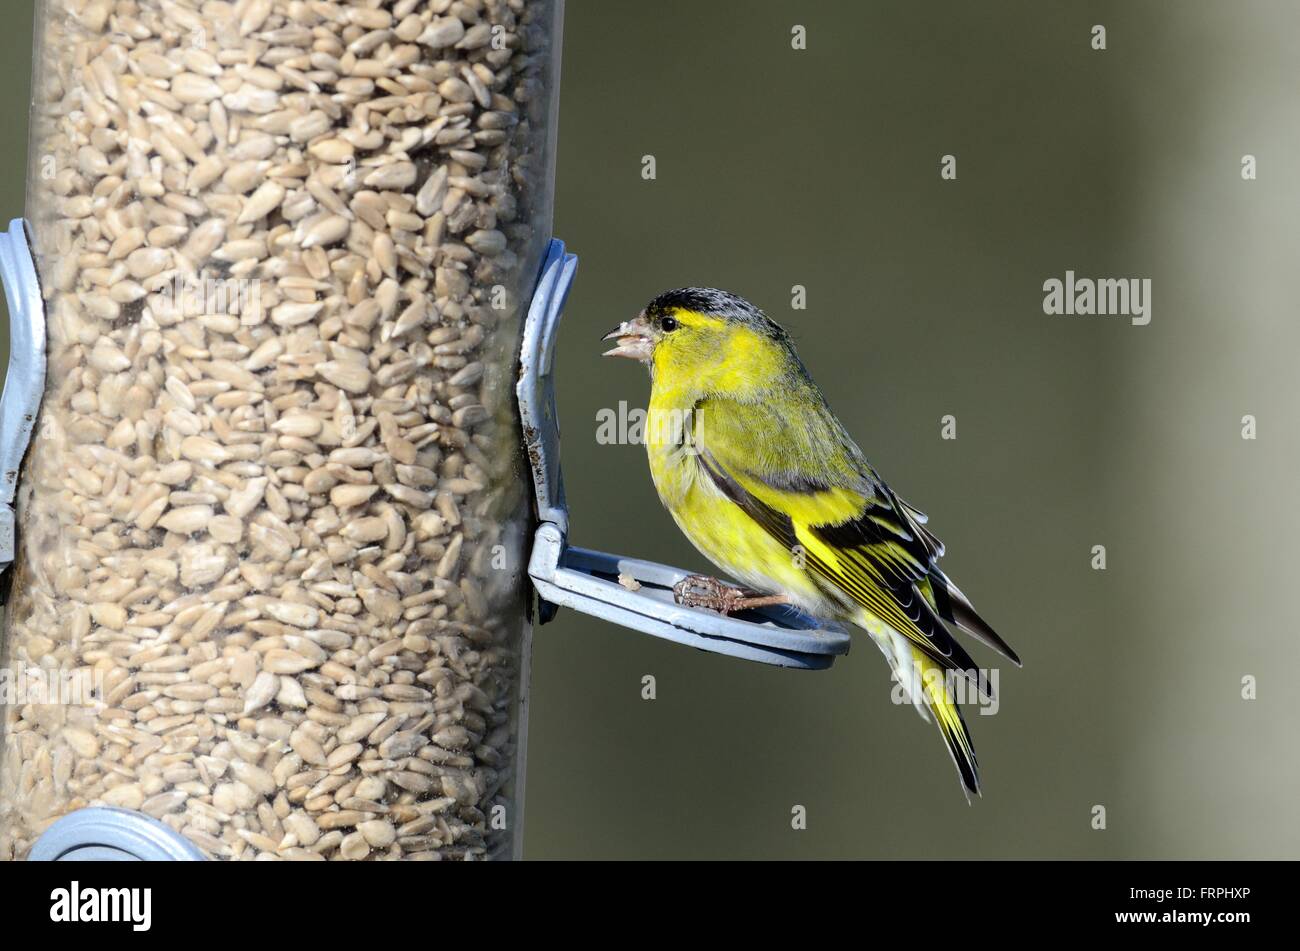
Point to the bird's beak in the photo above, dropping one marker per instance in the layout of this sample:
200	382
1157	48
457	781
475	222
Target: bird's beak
634	340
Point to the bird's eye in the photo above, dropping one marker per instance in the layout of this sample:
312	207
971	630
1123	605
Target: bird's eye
668	324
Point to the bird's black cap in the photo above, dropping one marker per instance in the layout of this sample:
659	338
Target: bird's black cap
715	303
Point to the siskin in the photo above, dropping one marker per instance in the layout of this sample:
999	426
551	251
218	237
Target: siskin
767	484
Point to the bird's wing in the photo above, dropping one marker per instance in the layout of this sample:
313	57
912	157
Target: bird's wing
800	477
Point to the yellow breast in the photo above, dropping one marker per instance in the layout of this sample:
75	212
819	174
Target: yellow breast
718	527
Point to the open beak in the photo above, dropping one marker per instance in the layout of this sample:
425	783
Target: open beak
634	340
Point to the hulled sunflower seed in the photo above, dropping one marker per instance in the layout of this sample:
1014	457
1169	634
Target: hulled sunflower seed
269	267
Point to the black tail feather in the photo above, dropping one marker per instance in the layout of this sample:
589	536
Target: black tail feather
956	607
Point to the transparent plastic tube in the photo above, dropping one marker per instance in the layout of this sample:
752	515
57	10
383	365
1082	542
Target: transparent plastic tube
271	528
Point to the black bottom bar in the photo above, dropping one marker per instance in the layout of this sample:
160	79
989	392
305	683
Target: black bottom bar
975	901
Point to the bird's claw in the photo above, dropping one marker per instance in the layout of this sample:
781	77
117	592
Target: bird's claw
702	591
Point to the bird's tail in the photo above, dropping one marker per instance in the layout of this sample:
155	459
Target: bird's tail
928	686
952	725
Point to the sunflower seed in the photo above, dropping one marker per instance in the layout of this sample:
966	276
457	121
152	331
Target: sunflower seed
269	266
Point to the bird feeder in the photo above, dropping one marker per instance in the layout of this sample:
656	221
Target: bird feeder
269	520
277	467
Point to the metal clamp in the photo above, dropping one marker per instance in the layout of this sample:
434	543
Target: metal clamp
25	379
630	592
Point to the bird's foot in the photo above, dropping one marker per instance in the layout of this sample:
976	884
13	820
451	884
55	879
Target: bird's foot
701	591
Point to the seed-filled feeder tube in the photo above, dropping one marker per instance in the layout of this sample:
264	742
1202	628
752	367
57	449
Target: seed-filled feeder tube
268	597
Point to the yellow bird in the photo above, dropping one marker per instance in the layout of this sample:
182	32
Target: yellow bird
767	484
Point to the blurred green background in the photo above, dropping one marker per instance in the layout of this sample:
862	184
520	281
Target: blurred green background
820	167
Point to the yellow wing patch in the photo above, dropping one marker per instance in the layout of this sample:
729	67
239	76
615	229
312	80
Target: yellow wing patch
878	577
